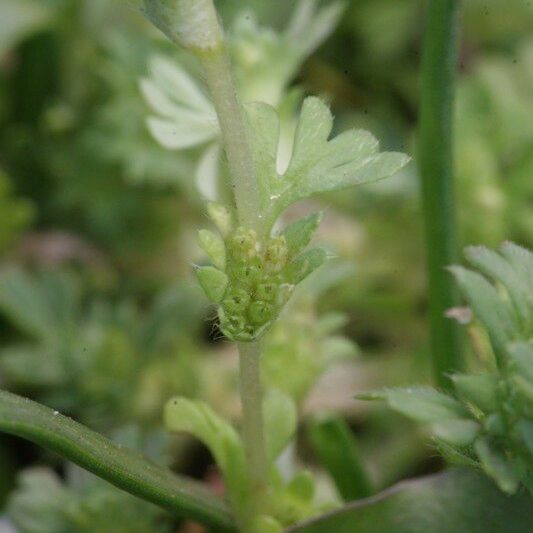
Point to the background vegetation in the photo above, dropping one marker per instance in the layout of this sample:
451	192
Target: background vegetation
101	317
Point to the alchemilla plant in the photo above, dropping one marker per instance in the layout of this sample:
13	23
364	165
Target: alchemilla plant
258	148
486	421
257	262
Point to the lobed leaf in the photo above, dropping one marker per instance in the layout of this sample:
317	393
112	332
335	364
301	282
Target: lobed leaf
317	164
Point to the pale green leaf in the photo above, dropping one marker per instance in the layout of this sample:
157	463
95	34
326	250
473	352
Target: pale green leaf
317	164
198	419
309	27
299	234
459	431
280	422
213	281
213	245
421	403
306	263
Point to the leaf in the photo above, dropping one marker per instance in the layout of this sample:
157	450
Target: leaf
198	419
280	422
19	19
459	432
213	245
317	164
459	500
120	466
521	359
499	268
41	503
305	264
480	390
185	117
422	403
336	447
491	310
213	281
496	465
299	234
308	28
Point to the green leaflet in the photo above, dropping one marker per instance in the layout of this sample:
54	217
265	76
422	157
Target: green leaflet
497	316
496	464
299	234
500	269
458	432
213	245
198	419
317	164
480	390
213	281
421	403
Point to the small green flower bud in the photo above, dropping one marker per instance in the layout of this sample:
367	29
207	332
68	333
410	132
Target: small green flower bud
232	325
276	254
236	300
243	244
260	312
267	291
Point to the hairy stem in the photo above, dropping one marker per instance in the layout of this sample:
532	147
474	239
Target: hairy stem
219	76
252	417
436	169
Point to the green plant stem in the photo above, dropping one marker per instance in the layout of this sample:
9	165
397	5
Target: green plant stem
436	169
252	418
120	466
217	67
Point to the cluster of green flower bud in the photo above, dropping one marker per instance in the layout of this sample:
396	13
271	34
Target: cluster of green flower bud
253	278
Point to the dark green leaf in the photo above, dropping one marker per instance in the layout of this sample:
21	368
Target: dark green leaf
338	452
458	501
496	465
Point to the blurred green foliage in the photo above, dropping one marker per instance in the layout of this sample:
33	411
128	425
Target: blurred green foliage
103	322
